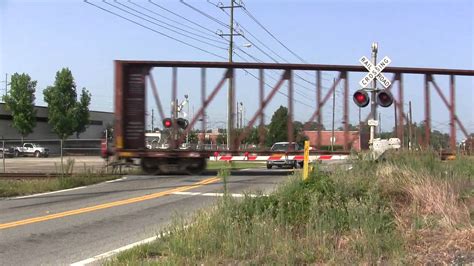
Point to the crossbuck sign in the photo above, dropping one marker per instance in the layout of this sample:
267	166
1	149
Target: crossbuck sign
375	72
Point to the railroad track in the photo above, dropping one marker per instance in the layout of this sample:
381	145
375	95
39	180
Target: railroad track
6	176
30	175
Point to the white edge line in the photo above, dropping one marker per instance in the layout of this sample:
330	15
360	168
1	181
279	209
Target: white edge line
236	195
64	190
186	193
115	180
115	251
47	193
150	239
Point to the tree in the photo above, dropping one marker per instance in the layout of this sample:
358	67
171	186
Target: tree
298	129
82	112
65	114
21	103
278	129
193	136
221	139
253	137
350	127
314	126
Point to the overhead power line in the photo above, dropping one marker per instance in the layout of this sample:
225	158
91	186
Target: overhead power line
273	36
268	85
205	14
154	30
173	38
247	12
238	25
159	25
262	51
296	83
215	36
179	16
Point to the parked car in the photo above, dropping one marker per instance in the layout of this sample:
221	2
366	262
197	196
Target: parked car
9	152
279	159
31	149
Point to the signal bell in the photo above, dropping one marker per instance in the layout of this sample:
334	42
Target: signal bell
361	98
384	98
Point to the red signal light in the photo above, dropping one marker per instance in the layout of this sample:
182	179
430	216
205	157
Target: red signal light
384	98
361	98
167	123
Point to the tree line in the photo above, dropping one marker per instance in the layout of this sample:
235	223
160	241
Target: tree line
277	130
66	113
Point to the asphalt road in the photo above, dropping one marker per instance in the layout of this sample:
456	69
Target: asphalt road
70	226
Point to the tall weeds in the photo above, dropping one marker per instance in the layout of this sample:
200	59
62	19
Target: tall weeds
410	208
432	203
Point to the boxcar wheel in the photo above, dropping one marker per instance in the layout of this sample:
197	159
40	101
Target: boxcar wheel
150	166
196	166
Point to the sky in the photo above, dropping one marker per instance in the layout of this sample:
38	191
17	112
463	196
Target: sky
41	37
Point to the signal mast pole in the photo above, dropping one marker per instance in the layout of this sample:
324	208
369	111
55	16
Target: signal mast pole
373	103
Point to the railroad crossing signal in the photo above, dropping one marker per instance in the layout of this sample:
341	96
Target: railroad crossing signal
384	97
181	122
167	123
375	72
361	98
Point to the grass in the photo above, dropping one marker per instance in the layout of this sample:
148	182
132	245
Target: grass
409	209
12	188
21	187
213	165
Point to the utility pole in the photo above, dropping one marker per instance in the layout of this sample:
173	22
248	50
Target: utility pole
152	119
230	92
241	114
238	114
333	116
373	103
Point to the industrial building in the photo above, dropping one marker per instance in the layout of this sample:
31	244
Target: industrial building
86	143
98	122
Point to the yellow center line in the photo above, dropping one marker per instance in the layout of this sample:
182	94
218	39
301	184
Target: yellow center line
107	205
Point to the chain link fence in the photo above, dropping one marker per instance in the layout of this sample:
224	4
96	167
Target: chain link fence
81	154
71	147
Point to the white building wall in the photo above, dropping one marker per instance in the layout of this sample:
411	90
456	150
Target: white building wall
99	121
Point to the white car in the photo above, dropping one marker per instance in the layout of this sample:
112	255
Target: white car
31	149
